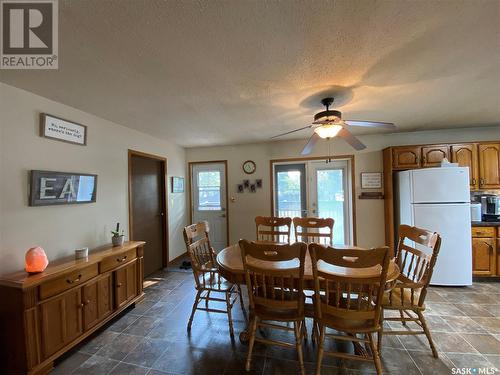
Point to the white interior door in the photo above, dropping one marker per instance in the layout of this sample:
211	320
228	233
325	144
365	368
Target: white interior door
330	196
208	200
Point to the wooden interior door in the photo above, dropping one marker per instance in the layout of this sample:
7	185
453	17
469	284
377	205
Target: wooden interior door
483	256
466	156
433	155
148	208
125	284
61	320
406	157
97	301
489	165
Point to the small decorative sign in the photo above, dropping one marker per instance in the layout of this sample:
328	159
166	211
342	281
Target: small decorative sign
371	180
51	188
177	184
62	130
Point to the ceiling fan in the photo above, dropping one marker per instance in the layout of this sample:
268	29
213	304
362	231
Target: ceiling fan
328	124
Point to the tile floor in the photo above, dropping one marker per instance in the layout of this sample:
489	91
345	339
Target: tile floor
152	338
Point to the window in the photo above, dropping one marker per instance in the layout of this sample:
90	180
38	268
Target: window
209	191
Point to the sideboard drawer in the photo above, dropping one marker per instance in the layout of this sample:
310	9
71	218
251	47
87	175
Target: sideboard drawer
56	286
483	232
117	260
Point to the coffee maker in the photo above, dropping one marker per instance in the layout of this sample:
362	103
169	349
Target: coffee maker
490	207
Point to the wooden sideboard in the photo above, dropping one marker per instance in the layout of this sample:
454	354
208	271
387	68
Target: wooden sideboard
44	315
482	158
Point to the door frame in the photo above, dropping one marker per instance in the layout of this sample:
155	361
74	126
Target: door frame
305	159
190	187
164	196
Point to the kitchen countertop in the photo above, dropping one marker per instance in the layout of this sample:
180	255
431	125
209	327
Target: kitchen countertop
485	223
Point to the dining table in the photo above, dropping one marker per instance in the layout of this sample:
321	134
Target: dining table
230	267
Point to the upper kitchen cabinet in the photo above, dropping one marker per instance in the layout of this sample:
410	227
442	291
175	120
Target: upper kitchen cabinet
433	155
406	157
489	165
465	155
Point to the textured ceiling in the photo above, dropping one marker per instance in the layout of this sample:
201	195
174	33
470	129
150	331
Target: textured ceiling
225	72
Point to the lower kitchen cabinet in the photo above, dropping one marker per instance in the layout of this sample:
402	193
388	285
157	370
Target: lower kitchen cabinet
485	251
483	257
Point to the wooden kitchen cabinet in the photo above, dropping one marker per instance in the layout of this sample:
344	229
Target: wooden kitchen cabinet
483	257
61	321
489	165
406	157
433	155
466	156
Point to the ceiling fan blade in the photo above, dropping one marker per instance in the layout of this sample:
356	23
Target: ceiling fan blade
310	144
371	124
351	139
292	131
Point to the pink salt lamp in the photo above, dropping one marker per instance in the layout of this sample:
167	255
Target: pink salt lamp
36	260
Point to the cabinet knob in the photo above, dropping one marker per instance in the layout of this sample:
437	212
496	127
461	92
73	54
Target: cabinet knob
80	306
118	285
69	281
86	302
122	259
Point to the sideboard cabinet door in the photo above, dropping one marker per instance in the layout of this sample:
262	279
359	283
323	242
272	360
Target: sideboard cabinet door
125	284
61	321
97	301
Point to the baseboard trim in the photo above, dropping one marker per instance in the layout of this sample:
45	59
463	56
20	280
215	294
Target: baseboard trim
177	258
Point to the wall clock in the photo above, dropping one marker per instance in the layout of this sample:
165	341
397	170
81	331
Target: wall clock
249	167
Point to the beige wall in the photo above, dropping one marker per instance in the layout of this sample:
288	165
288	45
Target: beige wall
369	213
61	229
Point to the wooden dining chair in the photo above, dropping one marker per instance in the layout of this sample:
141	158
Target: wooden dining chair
408	294
348	303
273	229
275	277
307	229
206	275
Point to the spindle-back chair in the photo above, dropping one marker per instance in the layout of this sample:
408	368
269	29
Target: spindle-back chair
346	303
273	229
308	230
206	275
275	277
408	295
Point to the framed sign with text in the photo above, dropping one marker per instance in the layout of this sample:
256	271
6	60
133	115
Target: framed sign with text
62	130
371	180
52	188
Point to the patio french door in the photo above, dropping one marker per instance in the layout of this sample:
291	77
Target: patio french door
316	189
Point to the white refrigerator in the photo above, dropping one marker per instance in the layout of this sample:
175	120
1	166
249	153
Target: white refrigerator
438	199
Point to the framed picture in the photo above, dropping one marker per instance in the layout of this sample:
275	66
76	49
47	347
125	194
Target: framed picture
371	180
258	182
246	183
52	188
253	188
62	130
240	188
177	184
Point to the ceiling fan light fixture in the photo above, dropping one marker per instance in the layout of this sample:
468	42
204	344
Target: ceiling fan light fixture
328	131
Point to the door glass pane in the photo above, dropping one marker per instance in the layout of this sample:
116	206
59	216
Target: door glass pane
209	191
330	190
289	202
